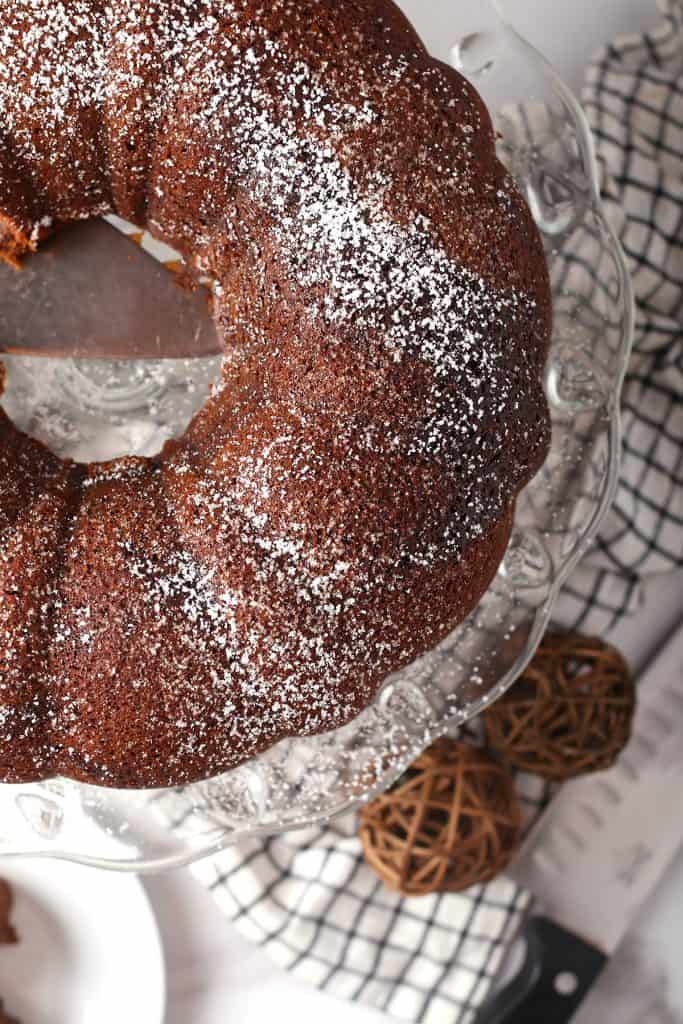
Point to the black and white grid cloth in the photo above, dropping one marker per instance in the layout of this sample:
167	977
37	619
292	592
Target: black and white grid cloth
633	97
308	898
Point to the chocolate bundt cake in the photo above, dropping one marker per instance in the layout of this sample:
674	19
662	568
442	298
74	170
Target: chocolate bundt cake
345	496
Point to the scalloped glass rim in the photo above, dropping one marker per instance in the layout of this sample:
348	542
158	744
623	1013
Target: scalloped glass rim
121	831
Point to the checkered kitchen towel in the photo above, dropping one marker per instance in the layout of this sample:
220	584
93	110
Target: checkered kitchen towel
308	898
634	101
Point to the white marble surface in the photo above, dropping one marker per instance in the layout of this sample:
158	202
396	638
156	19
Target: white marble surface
214	975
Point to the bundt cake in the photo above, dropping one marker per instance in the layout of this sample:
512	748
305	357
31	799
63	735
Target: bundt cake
345	495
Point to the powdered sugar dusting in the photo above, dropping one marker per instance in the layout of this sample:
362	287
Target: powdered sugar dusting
380	404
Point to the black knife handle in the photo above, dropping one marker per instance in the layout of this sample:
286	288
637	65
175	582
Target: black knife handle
557	973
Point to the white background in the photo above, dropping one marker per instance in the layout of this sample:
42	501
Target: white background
215	976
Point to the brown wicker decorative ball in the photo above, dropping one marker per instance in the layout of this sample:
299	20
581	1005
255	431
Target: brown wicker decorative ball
569	713
452	820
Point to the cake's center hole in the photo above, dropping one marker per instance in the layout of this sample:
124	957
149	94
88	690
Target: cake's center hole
92	410
73	319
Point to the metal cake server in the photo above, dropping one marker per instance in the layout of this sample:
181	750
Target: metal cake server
596	854
91	292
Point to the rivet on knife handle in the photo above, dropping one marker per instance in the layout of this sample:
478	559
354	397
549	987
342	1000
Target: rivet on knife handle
558	971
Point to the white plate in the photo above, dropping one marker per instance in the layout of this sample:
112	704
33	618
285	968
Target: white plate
89	951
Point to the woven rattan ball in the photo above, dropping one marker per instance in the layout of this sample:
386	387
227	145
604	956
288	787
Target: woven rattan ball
453	820
569	713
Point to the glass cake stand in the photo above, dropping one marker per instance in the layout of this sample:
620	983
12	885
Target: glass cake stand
545	141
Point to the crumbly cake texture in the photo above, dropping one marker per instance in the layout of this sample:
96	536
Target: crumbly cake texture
345	496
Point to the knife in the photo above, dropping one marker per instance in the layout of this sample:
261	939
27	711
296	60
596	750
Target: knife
91	292
596	854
